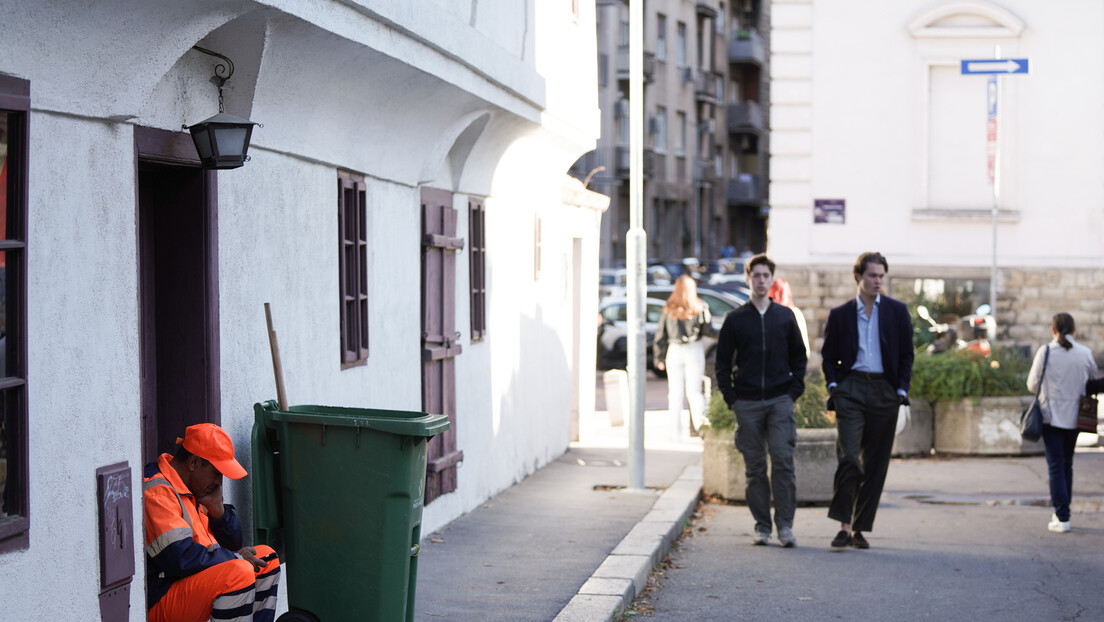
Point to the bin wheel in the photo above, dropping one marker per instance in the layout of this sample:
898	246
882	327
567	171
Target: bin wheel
297	615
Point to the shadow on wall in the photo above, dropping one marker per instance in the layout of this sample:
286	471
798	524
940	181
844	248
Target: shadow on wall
533	425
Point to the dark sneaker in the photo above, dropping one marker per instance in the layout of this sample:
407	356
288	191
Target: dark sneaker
841	540
858	541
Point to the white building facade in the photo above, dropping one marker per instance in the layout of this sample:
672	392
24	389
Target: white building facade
874	122
135	280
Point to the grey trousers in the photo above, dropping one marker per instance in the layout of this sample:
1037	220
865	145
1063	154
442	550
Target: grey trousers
762	426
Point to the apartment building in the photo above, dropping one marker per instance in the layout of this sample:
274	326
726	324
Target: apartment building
705	100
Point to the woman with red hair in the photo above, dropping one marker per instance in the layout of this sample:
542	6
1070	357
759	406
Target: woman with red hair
780	293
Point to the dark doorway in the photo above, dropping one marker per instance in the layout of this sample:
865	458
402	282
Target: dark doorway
177	289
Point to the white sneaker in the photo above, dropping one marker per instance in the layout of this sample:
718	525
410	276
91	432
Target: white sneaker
761	538
1058	526
786	537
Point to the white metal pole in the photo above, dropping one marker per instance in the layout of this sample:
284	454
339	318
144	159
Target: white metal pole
636	248
996	197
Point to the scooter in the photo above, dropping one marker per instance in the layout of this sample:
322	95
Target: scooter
979	326
946	336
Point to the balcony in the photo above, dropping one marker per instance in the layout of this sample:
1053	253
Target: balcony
650	163
622	162
649	67
705	171
744	190
623	65
707	11
708	87
745	118
747	48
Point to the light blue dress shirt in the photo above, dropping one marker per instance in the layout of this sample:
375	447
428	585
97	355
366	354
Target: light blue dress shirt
869	358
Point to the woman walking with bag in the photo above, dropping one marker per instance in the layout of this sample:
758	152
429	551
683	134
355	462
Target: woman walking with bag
678	348
1068	366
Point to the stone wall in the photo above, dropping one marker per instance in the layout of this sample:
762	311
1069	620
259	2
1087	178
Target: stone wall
1026	300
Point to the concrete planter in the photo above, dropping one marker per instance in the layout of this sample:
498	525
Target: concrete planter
723	470
983	425
917	437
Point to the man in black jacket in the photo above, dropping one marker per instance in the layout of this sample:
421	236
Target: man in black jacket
761	372
867	366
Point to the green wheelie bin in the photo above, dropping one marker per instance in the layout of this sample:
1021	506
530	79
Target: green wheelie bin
339	492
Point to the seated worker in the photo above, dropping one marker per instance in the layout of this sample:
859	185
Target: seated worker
196	567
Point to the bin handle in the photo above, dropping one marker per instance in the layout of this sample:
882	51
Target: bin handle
414	550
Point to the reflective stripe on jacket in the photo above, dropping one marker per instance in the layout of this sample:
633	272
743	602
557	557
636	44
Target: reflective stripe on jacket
181	540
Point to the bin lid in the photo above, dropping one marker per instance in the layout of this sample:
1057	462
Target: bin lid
405	422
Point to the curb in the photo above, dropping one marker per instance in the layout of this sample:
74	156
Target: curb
624	573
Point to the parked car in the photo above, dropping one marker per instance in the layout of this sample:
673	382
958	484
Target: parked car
612	334
614	281
613	341
611	282
720	303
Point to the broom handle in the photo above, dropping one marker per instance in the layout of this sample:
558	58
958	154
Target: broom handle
277	367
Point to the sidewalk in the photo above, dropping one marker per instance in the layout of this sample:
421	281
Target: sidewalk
566	543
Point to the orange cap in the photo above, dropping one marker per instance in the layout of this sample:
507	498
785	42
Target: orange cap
213	444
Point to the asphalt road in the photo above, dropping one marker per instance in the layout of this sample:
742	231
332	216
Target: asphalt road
955	539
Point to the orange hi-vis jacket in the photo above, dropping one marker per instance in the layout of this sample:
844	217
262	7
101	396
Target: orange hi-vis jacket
181	539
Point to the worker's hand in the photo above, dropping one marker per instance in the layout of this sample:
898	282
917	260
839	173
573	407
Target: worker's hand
213	502
249	554
660	365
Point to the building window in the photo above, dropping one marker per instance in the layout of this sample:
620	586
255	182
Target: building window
623	40
478	268
680	49
661	37
15	102
719	22
603	69
352	216
660	129
680	144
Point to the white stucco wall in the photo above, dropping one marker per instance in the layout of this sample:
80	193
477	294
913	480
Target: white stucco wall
495	99
850	119
83	384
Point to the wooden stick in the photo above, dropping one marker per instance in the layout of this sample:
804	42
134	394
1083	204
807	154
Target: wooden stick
277	367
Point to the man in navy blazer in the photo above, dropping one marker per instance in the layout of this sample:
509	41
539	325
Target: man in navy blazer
867	362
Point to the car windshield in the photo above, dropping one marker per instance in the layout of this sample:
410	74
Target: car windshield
618	312
717	307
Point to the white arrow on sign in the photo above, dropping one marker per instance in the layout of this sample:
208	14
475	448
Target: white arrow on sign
994	66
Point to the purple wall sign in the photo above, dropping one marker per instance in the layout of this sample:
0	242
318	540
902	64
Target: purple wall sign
829	211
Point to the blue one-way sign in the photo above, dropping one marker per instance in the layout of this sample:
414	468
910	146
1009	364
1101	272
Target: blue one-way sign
994	65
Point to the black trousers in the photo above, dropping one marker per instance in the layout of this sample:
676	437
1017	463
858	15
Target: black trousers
866	417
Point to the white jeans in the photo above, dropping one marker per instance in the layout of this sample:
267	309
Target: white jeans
685	372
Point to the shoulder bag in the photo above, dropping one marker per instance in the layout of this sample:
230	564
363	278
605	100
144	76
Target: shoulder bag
1031	421
1086	414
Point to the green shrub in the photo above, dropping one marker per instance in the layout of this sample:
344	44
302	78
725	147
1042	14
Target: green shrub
808	410
718	416
954	375
810	407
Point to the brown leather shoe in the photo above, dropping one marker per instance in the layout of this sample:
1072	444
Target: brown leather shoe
858	541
